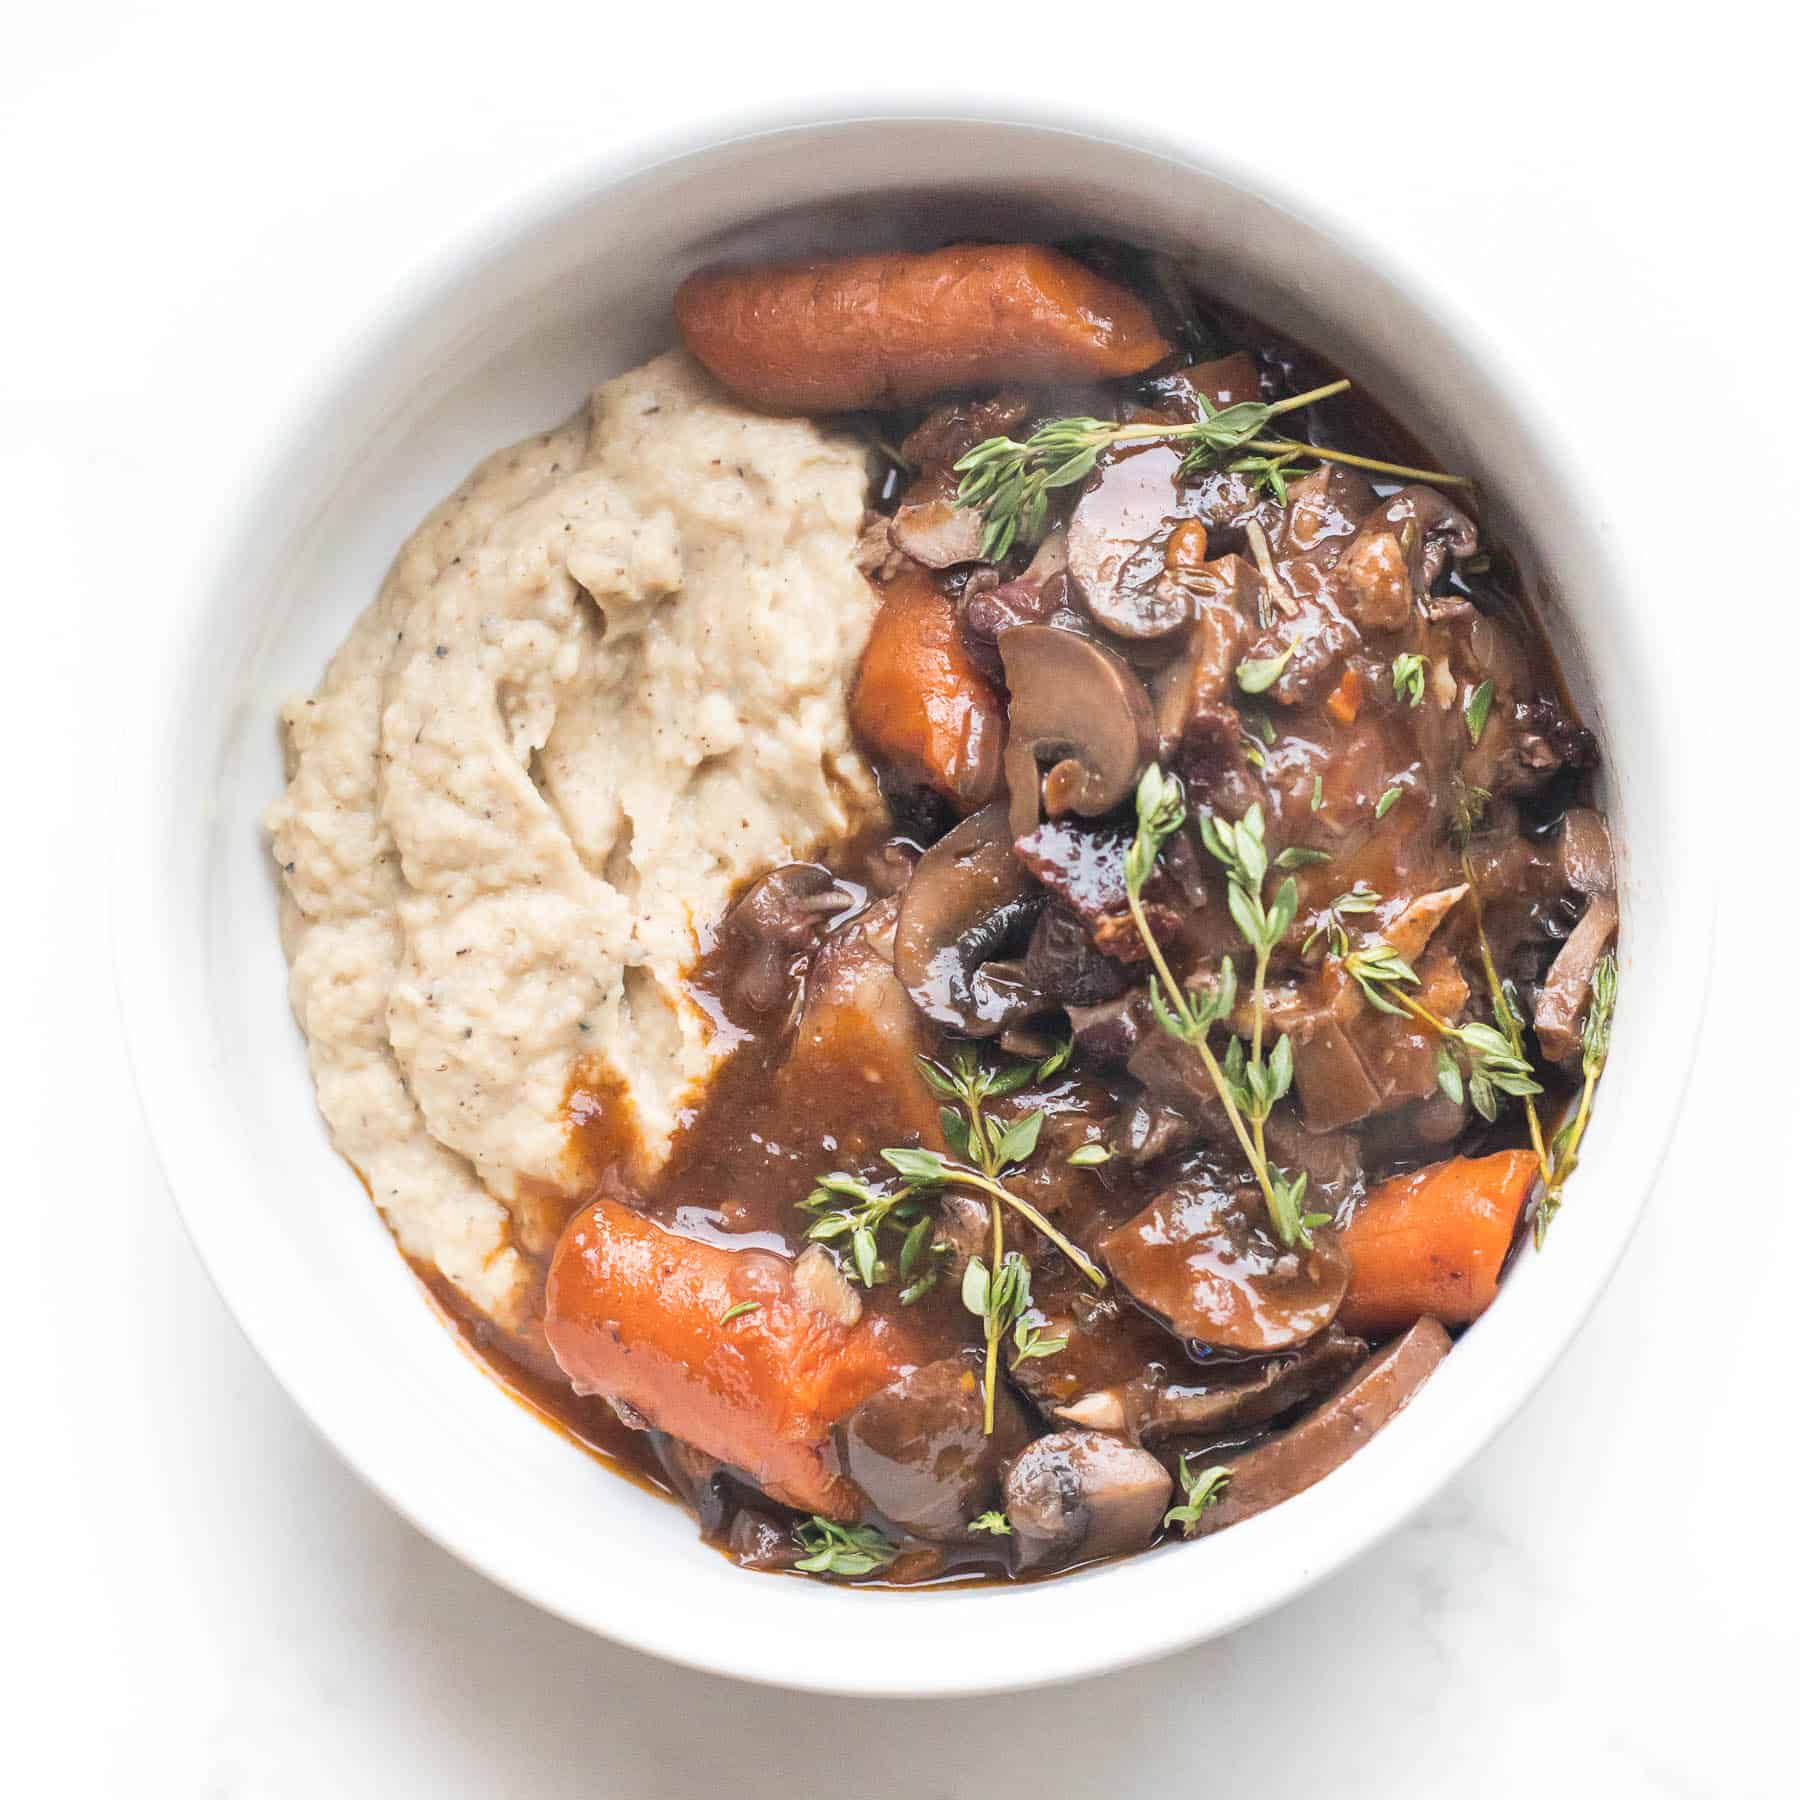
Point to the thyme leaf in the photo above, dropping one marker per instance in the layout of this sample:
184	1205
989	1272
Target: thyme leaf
835	1549
1203	1488
1409	678
1010	482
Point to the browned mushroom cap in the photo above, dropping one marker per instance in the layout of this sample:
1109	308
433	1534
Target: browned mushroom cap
1076	706
1077	1495
1289	1464
1206	1261
917	1449
970	900
1116	544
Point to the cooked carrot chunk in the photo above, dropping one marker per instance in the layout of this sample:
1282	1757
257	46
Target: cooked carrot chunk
1431	1243
896	327
919	701
1344	701
640	1314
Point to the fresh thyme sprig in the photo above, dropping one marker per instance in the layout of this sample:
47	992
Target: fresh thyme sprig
1188	1017
857	1211
1471	803
834	1549
1596	1043
1354	901
1495	1065
1204	1488
1011	482
997	1291
1508	1016
983	1150
1259	1084
1002	1302
923	1170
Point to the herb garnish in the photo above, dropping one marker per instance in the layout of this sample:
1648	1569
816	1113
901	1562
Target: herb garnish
834	1549
869	1211
1203	1488
1596	1042
1011	482
1409	678
1496	1064
998	1291
1089	1156
995	1522
1385	804
1360	899
1247	1084
1471	805
738	1311
1475	713
1258	675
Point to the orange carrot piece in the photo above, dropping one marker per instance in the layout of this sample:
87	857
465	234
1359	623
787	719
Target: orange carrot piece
1430	1244
919	701
897	327
639	1314
1344	701
1186	548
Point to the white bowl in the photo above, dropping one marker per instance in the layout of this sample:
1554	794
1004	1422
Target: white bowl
505	338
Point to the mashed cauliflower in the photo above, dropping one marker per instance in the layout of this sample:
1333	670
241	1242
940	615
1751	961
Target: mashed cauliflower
602	684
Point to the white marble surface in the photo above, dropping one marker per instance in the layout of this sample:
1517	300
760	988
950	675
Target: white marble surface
200	1600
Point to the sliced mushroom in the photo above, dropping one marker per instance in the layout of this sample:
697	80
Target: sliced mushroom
1077	1495
918	1451
1585	851
1076	706
1563	998
1115	544
1237	1397
969	902
1206	1261
1289	1464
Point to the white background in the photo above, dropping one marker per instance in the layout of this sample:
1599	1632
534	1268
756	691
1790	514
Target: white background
198	200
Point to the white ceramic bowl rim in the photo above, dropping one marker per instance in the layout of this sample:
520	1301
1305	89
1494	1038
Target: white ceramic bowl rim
817	1637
